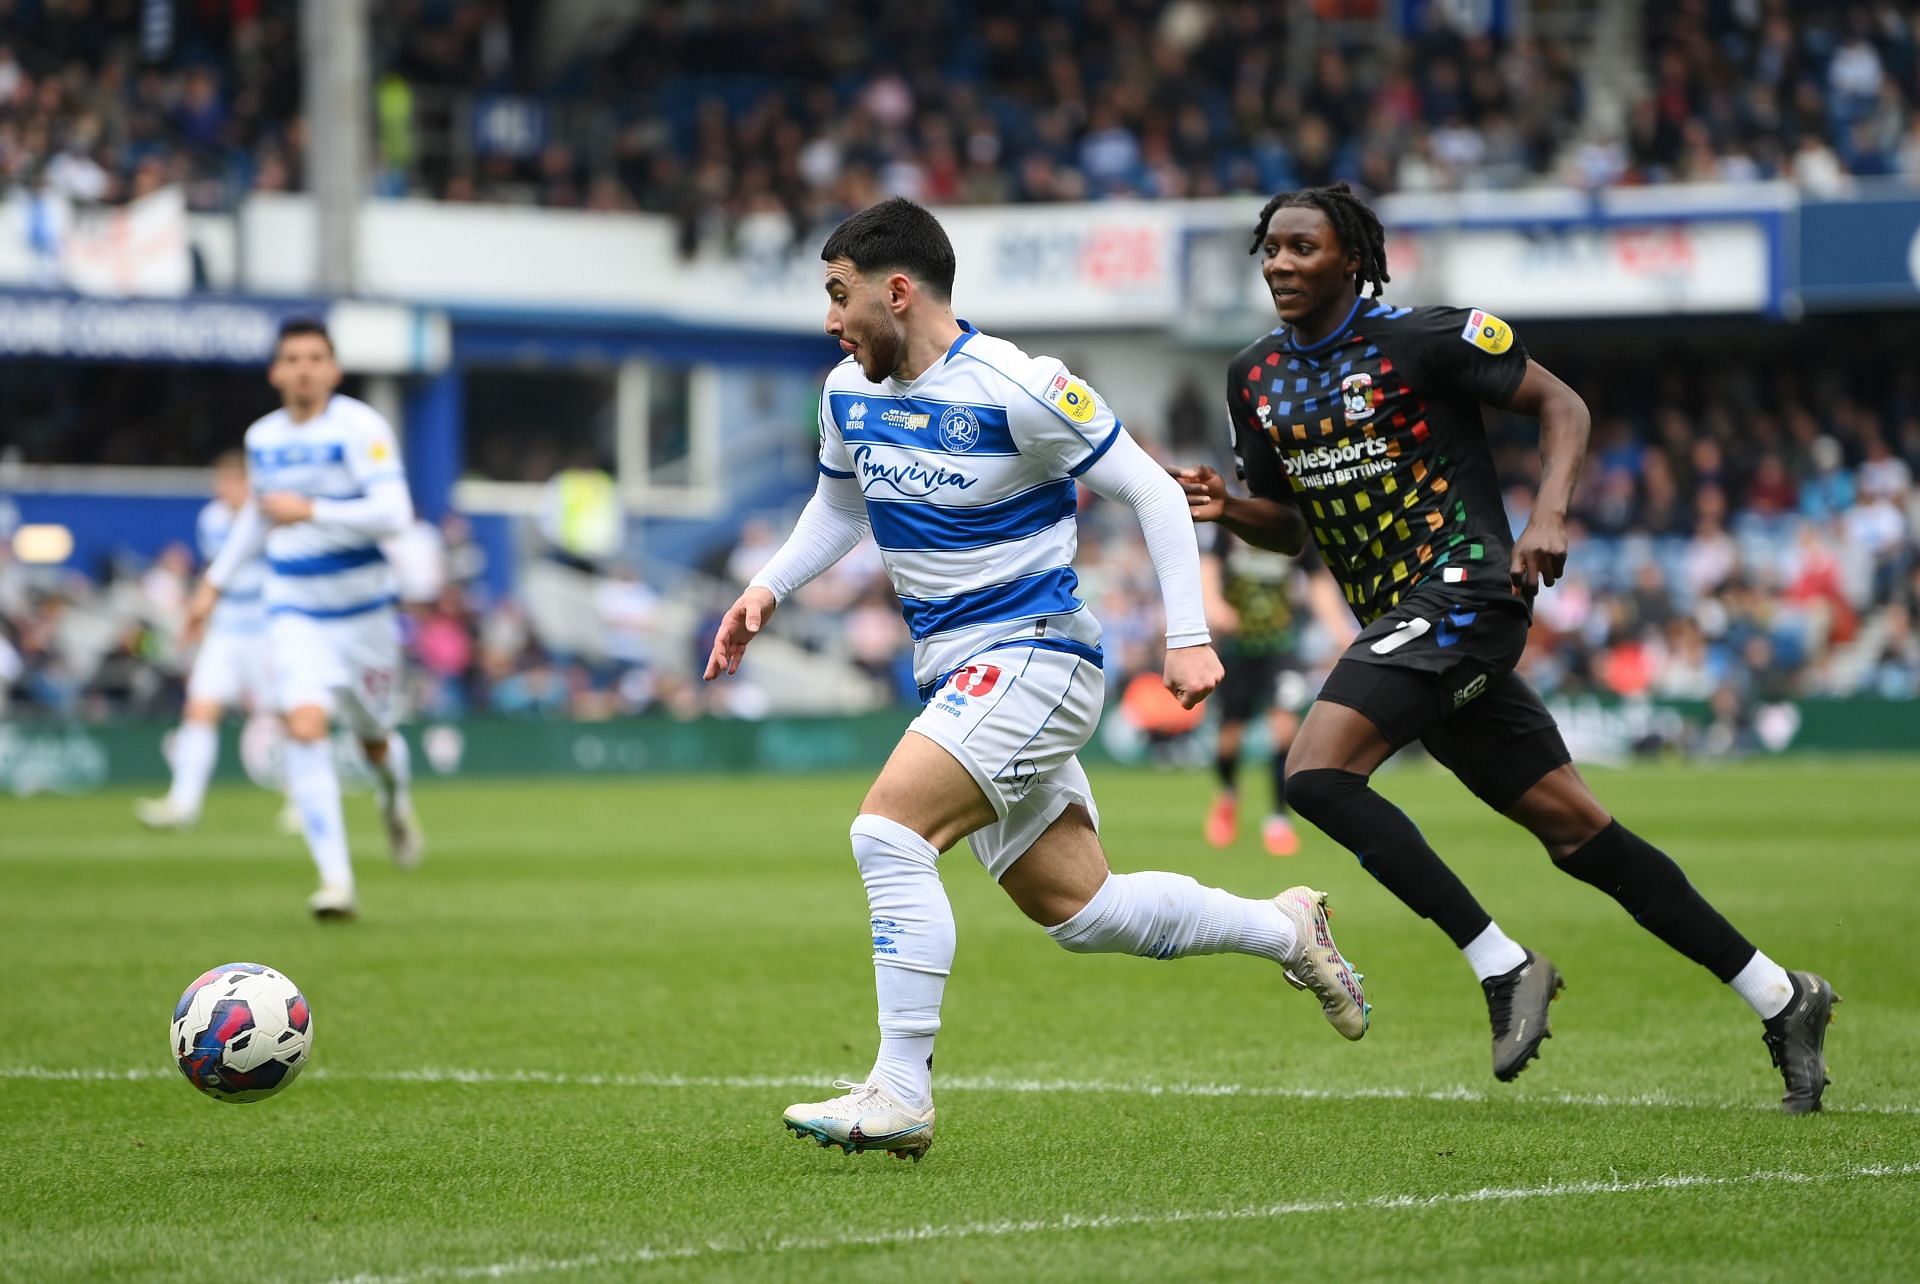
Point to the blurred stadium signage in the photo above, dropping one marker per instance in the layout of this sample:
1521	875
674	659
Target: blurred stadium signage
371	338
1118	265
1085	266
1093	266
1546	254
1755	249
1101	265
41	757
1633	270
210	331
1861	253
39	760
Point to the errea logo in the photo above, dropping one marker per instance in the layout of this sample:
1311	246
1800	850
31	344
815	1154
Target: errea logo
855	413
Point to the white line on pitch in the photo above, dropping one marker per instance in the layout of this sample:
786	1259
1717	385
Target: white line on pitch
1119	1221
972	1083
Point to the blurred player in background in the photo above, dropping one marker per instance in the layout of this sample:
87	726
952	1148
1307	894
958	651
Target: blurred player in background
1357	425
1250	595
960	453
230	671
328	487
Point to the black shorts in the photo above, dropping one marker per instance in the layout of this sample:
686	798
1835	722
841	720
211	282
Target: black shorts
1251	683
1438	668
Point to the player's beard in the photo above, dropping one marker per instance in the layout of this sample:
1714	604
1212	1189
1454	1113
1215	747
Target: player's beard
881	347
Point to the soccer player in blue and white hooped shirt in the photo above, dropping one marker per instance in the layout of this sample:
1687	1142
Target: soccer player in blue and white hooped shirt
961	454
328	486
230	671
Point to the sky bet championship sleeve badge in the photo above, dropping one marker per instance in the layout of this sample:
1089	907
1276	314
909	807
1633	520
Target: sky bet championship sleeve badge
1488	332
1071	398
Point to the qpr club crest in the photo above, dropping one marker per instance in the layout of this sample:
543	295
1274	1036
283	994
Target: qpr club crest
1356	392
959	429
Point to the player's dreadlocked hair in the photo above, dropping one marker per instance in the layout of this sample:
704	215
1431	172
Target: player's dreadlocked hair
1357	226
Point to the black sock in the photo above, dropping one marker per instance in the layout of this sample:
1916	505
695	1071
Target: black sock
1279	782
1389	847
1226	768
1656	892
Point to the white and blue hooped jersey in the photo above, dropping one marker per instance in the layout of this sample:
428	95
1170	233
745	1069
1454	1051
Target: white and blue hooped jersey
240	609
968	478
319	569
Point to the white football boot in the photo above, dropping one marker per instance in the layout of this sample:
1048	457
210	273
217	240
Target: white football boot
160	813
404	839
867	1118
1316	964
333	903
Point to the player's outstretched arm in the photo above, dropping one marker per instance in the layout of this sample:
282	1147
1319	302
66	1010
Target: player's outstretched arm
833	521
1540	554
1128	474
1264	523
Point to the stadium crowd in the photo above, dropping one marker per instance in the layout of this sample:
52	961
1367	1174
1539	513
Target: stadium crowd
1739	542
809	108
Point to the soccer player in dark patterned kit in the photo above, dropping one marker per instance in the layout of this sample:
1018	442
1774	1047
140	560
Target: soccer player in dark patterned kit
1249	597
1358	424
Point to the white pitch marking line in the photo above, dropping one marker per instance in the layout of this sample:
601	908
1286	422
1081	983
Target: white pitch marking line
970	1083
1120	1221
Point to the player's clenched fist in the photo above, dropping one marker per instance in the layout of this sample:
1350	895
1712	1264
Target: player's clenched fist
1192	673
742	622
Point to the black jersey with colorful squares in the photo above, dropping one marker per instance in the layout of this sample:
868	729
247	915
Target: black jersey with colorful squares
1375	433
1258	585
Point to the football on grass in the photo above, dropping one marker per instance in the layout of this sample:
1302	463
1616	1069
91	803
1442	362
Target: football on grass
241	1032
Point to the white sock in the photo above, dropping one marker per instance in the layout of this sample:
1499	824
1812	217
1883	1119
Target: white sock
195	747
314	787
1765	986
1168	916
1493	953
393	775
909	1018
913	940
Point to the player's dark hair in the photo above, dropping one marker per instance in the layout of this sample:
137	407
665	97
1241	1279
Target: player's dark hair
301	325
230	461
1357	226
896	236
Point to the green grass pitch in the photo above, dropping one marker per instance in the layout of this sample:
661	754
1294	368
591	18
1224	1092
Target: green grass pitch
560	1050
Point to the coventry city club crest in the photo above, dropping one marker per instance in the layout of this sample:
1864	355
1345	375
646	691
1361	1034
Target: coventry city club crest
1356	391
959	429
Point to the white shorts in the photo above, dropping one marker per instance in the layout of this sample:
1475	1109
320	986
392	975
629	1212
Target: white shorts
232	670
349	667
1014	717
